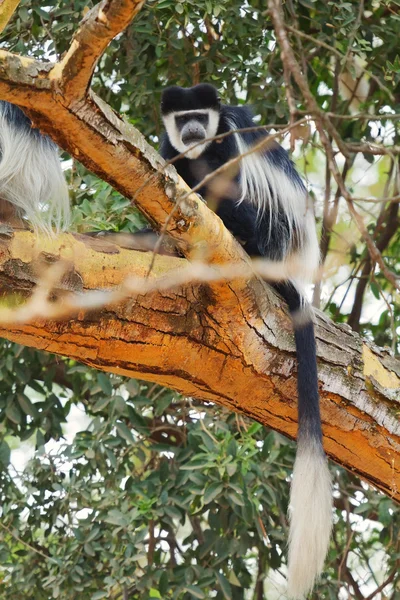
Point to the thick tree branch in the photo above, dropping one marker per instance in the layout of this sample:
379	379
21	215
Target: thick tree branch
7	9
118	153
237	332
97	30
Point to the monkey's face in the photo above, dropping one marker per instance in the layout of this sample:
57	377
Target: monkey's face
190	116
187	129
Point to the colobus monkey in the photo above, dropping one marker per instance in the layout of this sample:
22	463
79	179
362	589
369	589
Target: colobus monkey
267	208
32	183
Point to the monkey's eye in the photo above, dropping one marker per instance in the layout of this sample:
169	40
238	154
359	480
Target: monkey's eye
203	119
181	120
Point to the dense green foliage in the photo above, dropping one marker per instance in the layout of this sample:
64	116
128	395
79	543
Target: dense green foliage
158	496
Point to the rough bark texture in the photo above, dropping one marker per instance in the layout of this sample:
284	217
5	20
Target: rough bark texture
118	153
231	344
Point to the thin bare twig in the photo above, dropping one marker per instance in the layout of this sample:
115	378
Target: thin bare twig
362	116
40	305
383	200
373	148
275	9
387	581
26	544
218	138
226	167
336	52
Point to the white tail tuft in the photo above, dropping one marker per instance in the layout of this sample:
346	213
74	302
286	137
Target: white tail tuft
31	177
310	514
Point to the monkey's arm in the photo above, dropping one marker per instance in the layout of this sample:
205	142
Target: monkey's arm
240	219
144	240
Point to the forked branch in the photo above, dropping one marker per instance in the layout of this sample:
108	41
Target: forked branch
98	28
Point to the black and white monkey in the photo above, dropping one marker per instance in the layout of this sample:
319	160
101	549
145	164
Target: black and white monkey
268	209
32	183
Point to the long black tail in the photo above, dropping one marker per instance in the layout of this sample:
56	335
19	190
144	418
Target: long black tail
310	510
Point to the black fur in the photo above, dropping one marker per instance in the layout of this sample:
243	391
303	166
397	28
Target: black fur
20	121
307	375
256	234
260	236
175	98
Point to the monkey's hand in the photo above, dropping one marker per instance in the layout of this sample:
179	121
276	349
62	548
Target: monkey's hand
144	240
6	230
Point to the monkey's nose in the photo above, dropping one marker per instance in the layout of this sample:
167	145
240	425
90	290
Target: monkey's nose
193	133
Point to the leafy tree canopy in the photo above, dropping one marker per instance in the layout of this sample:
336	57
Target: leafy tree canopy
132	491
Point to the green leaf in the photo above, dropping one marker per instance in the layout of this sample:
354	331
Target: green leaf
362	508
236	499
89	549
173	512
234	580
42	13
212	491
132	387
111	457
163	584
120	406
225	586
93	533
375	289
208	442
232	448
104	383
40	441
23	13
254	428
101	403
116	517
196	591
136	419
231	469
5	453
27	406
161	404
13	413
125	432
198	463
